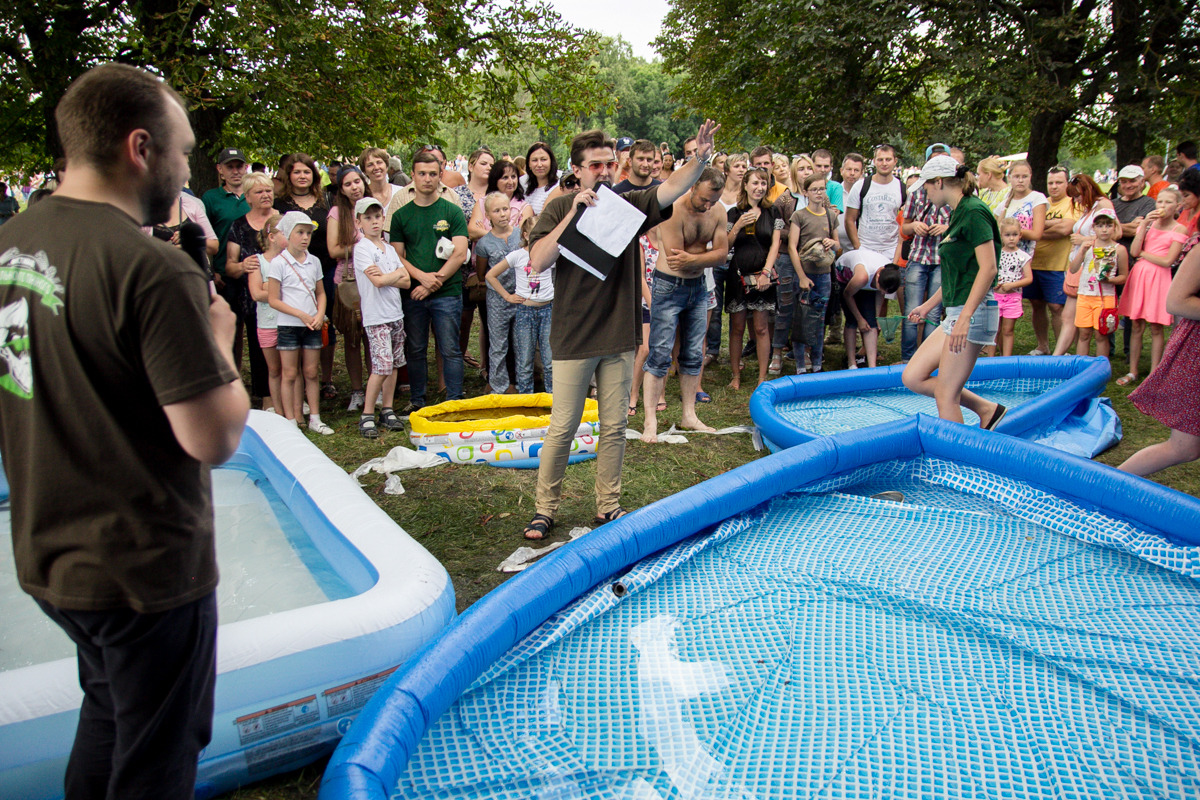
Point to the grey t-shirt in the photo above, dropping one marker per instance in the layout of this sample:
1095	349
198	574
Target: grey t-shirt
494	249
1129	210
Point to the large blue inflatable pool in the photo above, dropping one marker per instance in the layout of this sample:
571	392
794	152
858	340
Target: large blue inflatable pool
919	610
321	597
1052	400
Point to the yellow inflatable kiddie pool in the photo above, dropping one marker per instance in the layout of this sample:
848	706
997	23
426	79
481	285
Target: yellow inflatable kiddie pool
502	430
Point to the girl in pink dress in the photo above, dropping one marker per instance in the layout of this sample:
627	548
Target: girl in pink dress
1169	392
1158	242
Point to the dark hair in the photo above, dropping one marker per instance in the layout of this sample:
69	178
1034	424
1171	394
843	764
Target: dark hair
1186	149
855	157
104	105
689	139
497	172
886	148
811	179
424	157
373	152
1189	181
3	188
743	202
822	152
761	150
258	166
344	206
889	279
307	161
586	141
643	146
531	180
712	177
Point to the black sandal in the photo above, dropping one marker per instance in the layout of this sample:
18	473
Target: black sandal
390	421
366	426
610	516
539	527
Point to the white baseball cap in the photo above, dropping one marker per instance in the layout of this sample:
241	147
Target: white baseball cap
363	204
1131	171
291	219
940	166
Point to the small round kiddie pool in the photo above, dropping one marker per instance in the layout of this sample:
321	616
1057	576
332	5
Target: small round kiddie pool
501	430
322	596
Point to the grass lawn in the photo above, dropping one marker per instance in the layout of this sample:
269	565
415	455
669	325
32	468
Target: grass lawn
471	517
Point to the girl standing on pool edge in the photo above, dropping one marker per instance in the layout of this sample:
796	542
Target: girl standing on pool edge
969	252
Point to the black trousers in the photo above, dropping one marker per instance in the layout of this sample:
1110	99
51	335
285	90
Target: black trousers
147	700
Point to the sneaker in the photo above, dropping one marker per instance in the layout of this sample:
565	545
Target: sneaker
357	399
408	409
316	426
329	392
775	366
306	409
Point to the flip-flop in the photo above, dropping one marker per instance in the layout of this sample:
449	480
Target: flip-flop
632	410
1126	379
703	397
660	407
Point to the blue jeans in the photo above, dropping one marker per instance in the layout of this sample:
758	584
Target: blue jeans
713	343
445	314
532	332
500	317
678	303
921	281
784	301
818	302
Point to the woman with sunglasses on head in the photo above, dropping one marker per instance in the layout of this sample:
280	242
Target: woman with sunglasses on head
342	233
755	233
541	175
302	192
1088	198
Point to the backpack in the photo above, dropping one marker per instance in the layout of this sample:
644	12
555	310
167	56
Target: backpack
866	189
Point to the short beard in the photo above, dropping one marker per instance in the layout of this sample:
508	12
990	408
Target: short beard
160	196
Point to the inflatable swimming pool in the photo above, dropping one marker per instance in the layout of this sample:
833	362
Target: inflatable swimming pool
501	430
1022	624
321	597
1052	400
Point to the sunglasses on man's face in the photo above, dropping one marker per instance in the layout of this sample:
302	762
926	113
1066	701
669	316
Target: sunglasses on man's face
596	167
570	183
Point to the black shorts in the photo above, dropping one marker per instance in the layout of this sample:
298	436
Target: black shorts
865	299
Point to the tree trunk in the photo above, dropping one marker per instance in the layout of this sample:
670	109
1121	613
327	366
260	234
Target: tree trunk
1044	138
1130	140
208	124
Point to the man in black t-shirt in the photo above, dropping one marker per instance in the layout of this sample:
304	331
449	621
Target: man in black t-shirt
641	163
119	391
596	325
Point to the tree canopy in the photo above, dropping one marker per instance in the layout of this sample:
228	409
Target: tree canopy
328	76
989	76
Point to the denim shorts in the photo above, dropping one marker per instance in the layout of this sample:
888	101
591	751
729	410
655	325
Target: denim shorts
984	322
295	337
678	304
1047	286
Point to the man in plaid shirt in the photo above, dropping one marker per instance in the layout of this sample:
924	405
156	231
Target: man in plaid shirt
925	223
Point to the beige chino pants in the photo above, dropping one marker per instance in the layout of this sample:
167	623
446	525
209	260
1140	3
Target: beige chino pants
572	377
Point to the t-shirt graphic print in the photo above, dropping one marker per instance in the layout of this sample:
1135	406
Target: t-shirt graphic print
35	274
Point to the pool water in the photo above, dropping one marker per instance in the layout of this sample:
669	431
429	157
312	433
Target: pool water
267	562
969	642
824	415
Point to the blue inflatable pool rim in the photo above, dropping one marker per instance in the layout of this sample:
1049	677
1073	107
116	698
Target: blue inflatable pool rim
371	757
1079	379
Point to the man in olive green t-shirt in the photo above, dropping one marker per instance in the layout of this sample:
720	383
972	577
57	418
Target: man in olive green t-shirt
417	230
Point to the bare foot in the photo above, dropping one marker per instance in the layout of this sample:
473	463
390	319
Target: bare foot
650	431
694	424
736	383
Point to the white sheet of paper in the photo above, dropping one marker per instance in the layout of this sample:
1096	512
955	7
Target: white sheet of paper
611	223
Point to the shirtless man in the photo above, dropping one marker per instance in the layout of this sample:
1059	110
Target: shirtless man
680	295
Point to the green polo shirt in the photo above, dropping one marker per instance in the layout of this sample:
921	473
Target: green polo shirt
223	207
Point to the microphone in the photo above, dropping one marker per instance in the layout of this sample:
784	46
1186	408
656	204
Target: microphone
192	242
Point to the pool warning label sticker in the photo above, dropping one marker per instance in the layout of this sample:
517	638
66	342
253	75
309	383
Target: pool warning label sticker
352	696
280	719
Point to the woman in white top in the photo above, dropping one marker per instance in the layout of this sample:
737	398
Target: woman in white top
373	162
541	175
1024	204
